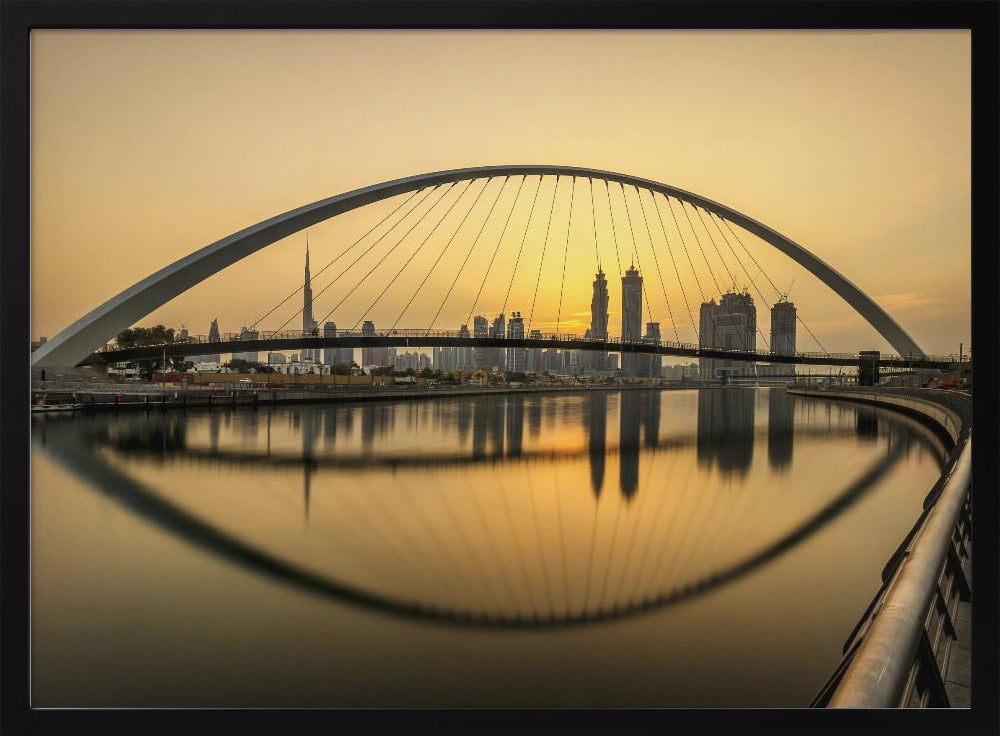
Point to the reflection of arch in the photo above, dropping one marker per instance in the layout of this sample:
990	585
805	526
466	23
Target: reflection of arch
144	502
375	462
78	340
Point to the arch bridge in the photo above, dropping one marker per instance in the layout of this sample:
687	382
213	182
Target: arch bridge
78	342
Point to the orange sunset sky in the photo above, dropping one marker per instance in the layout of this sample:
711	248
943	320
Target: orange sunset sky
147	145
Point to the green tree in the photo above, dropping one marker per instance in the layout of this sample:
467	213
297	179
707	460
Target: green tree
239	365
135	337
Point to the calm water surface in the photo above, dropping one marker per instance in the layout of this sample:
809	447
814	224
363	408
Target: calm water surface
635	548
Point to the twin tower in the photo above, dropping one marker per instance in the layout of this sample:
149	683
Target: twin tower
633	364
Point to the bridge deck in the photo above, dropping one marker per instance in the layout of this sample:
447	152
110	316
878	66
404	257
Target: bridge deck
442	338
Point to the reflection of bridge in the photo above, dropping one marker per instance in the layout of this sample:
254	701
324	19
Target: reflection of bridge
416	338
60	438
646	212
495	425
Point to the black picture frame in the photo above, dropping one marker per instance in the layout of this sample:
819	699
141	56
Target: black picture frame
19	17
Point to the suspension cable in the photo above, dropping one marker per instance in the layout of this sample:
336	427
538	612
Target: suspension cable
344	252
614	234
698	241
656	259
777	291
635	252
461	268
593	218
555	191
728	227
387	254
732	278
527	225
569	222
412	255
759	329
446	246
686	251
680	283
499	240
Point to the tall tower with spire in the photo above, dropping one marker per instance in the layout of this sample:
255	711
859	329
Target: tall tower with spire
599	307
308	323
598	322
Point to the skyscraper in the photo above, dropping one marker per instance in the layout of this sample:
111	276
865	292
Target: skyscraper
445	359
599	307
651	365
330	354
374	356
480	356
707	317
367	354
308	323
631	317
213	336
498	356
783	328
730	325
463	355
598	321
734	303
340	356
249	357
516	356
533	358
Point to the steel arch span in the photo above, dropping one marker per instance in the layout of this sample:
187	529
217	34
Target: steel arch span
80	339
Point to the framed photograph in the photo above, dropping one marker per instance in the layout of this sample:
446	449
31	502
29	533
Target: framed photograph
500	366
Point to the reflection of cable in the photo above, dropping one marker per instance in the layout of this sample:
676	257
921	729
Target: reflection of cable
562	542
81	459
469	548
656	260
590	563
517	545
538	539
545	245
638	517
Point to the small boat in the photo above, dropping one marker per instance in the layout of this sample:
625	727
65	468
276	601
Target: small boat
44	408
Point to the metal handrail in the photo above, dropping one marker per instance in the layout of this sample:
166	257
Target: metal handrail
883	653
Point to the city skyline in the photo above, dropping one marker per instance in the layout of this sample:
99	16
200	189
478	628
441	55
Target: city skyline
730	324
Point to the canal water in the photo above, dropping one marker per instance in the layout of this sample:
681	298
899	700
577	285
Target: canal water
622	548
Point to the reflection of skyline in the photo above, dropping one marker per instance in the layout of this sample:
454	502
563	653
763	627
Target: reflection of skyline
515	425
651	418
780	428
726	429
595	419
867	424
310	433
628	443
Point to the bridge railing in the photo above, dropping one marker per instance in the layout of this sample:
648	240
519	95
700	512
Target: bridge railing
611	342
898	653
